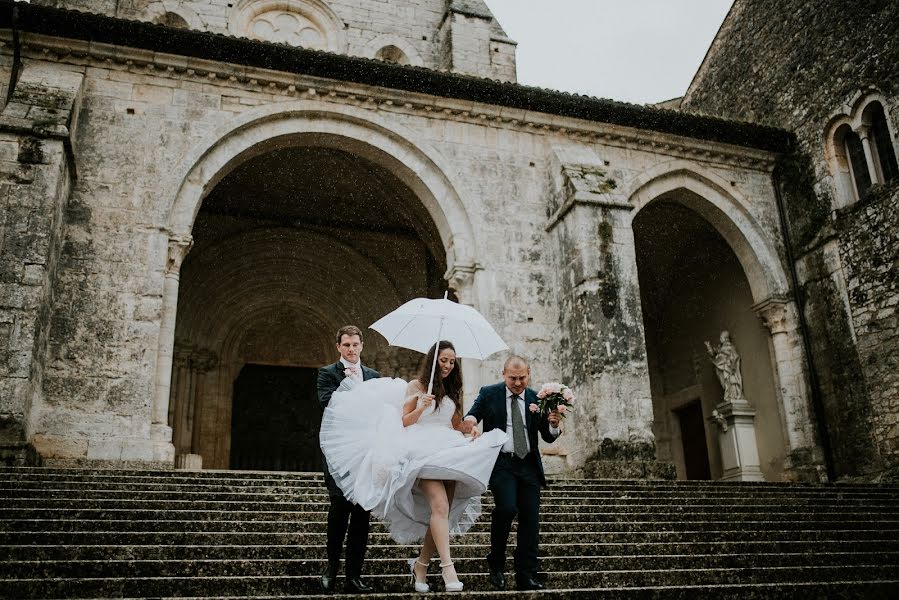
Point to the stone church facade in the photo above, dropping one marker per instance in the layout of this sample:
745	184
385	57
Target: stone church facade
197	194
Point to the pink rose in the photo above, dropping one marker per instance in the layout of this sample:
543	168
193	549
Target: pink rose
568	394
541	394
562	408
533	408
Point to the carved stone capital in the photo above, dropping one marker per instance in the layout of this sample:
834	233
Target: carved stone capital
460	276
775	315
178	249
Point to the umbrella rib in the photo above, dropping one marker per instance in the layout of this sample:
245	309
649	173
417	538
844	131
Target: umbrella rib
402	329
475	338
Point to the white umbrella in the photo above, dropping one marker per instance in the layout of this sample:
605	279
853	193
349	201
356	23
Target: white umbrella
419	324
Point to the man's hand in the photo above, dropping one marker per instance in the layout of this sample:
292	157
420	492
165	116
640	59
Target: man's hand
474	433
554	418
467	425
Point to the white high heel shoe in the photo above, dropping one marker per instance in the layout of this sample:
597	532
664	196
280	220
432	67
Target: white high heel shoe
455	586
420	587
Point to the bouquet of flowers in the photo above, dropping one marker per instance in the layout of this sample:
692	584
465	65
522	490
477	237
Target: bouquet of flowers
554	396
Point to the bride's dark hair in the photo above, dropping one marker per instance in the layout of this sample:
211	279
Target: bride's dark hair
450	386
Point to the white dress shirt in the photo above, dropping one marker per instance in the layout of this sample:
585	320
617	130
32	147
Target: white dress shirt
358	366
509	446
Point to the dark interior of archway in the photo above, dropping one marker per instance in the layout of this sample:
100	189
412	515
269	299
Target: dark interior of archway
687	274
677	251
324	189
308	209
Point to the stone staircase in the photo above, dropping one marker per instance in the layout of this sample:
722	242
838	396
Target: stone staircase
68	533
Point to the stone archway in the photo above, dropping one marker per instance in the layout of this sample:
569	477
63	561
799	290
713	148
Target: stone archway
299	228
706	265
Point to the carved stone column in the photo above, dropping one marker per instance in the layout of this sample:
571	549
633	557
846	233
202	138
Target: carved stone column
160	432
780	318
869	154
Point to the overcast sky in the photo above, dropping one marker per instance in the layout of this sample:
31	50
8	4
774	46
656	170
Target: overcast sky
631	50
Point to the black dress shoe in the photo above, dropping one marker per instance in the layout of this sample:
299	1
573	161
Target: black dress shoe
355	585
527	583
329	580
497	580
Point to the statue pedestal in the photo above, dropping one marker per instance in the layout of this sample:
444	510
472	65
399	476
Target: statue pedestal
736	437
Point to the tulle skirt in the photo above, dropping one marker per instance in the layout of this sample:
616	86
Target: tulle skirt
377	462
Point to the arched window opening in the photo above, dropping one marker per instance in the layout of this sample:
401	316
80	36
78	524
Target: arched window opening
171	19
861	150
392	54
881	144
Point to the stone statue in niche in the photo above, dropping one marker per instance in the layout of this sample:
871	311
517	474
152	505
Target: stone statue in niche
727	367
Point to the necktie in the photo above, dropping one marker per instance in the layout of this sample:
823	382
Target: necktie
519	442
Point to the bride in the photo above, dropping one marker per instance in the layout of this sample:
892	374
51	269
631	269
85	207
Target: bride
398	452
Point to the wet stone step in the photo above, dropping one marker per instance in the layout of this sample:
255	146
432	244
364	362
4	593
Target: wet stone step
276	487
25	538
308	584
483	525
317	518
462	549
140	503
194	567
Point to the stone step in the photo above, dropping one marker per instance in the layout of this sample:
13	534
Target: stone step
756	524
249	502
250	476
834	536
831	590
314	519
317	487
399	583
25	569
460	549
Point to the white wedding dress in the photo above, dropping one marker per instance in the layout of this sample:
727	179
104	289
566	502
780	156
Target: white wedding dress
376	461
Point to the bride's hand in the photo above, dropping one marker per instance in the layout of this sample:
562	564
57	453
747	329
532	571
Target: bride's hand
425	400
475	433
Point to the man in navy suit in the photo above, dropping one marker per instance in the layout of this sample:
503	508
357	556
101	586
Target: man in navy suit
518	474
342	513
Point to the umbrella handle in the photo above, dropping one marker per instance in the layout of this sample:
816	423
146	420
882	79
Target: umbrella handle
434	363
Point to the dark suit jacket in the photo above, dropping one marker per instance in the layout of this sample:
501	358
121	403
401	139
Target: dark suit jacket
490	407
329	379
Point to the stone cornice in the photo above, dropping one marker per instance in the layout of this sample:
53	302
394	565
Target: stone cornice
279	83
123	36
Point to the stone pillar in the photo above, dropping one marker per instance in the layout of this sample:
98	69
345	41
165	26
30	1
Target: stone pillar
736	438
37	169
803	458
160	431
869	154
602	354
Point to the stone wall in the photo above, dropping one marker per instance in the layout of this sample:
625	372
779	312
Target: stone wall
799	66
869	248
461	36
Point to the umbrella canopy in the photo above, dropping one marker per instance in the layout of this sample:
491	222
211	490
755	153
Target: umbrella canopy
420	323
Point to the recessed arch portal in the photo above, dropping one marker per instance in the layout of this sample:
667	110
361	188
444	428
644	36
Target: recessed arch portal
705	266
301	222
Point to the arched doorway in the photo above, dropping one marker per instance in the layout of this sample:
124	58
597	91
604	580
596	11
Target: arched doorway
289	245
693	286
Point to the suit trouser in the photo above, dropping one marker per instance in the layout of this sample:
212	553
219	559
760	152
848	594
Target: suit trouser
349	520
515	484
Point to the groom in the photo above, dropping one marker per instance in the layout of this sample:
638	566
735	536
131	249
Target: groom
518	473
342	513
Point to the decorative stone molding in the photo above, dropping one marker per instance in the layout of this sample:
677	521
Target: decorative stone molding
773	314
401	102
583	181
178	248
301	23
